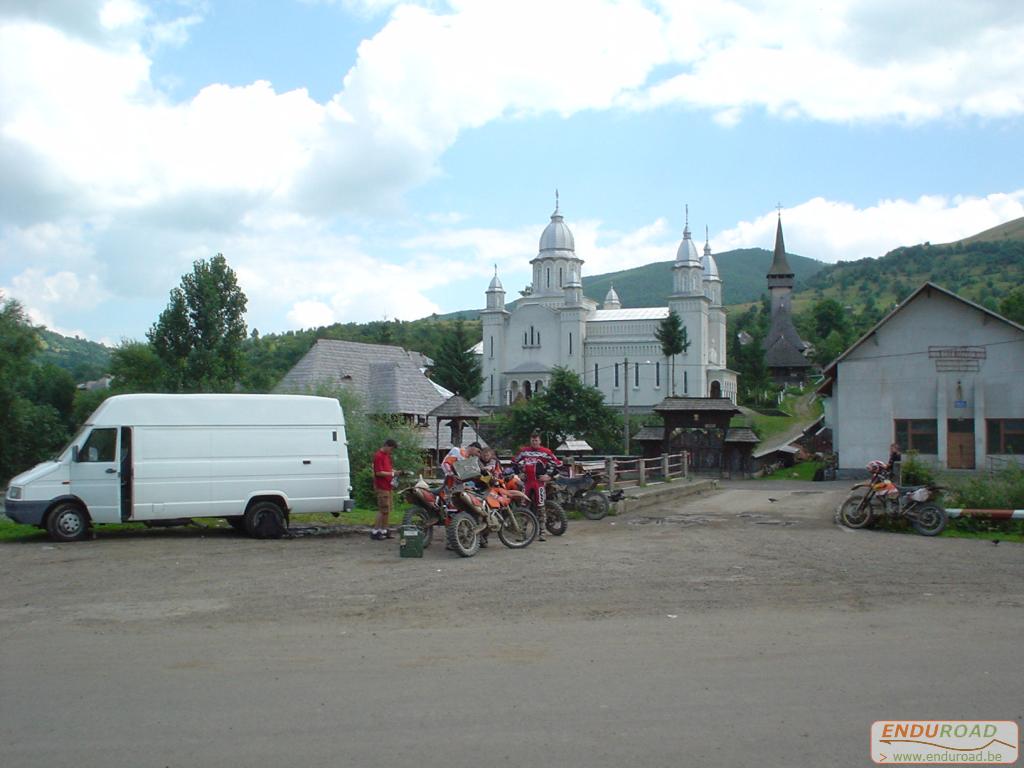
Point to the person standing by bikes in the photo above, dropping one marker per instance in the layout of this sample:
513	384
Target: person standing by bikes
537	464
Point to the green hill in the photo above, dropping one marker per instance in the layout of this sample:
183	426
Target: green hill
981	270
742	271
83	359
1010	230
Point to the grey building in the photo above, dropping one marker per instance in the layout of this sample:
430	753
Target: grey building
940	375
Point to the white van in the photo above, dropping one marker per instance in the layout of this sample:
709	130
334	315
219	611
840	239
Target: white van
165	459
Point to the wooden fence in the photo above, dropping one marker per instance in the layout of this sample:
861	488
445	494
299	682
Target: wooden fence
628	471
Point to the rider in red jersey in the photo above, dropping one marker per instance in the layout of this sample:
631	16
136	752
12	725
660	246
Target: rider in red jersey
538	464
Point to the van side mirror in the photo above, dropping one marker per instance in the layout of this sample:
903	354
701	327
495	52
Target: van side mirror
74	453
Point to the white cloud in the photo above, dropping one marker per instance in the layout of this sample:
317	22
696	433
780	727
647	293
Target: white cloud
831	231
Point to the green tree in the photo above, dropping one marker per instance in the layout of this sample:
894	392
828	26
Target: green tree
566	407
136	367
199	335
674	340
456	367
828	315
29	431
1012	305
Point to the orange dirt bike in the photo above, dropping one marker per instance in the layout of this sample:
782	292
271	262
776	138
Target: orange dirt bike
430	507
490	505
879	497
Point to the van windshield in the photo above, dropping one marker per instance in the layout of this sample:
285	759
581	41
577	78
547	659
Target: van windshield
59	456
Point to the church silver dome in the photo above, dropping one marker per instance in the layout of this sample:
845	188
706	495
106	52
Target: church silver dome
556	235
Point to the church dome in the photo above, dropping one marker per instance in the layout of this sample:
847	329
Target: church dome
687	252
710	265
495	282
557	236
611	299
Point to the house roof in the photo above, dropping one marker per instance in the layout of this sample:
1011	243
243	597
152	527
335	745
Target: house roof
530	367
573	445
457	407
829	371
706	404
650	434
389	379
636	313
741	435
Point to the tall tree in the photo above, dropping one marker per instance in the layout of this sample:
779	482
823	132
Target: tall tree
199	335
672	335
1012	305
456	367
29	429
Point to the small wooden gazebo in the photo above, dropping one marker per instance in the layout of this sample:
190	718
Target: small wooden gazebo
457	411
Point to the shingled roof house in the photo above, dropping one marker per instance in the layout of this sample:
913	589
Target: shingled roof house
390	380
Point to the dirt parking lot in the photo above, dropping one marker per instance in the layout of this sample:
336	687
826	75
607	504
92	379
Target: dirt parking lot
736	628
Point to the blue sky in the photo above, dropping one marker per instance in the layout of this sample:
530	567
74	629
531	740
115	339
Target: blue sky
362	159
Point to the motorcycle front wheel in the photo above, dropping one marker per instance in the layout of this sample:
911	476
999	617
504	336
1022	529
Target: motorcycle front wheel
462	535
930	520
556	520
857	511
518	528
594	505
423	521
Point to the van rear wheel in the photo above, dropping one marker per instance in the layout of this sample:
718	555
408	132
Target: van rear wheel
67	522
265	520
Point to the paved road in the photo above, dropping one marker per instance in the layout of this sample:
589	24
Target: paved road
728	631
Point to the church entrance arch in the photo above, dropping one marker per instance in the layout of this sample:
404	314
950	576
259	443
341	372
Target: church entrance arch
527	390
716	389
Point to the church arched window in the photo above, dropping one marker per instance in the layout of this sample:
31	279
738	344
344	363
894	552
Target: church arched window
560	281
548	273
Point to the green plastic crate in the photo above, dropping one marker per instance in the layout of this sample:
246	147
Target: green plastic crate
410	541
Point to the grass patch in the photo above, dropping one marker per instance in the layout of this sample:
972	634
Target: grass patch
803	471
12	531
1011	536
767	427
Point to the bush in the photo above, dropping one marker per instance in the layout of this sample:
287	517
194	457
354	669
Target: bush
1001	490
913	471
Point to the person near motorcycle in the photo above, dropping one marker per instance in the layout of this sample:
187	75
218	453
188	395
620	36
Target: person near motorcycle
538	465
384	480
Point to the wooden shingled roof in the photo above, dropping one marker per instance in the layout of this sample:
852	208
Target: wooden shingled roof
457	407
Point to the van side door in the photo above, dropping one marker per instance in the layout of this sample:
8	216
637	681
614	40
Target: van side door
95	475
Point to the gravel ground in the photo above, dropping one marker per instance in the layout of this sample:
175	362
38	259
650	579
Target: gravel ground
175	647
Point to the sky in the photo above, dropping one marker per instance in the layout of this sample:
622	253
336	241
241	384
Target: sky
357	160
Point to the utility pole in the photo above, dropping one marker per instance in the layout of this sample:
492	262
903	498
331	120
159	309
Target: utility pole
625	404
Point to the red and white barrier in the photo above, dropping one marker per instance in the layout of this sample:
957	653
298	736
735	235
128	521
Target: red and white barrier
992	514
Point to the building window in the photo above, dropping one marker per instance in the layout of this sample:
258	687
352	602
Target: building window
636	375
526	339
921	435
596	369
686	382
616	375
538	338
657	375
492	346
1005	436
548	273
559	277
570	342
492	387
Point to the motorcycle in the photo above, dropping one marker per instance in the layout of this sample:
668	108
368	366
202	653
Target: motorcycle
580	493
490	505
430	508
879	497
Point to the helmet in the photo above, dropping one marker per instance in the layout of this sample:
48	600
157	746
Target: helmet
876	467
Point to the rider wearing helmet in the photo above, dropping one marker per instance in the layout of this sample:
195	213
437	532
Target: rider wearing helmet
538	465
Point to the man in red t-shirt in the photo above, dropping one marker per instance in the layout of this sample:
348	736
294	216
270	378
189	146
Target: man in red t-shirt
384	478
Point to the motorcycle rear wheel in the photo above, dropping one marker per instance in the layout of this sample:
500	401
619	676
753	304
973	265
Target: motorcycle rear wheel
556	520
929	520
519	527
423	521
857	512
594	505
462	535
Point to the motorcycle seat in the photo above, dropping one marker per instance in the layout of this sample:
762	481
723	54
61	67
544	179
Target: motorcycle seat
575	483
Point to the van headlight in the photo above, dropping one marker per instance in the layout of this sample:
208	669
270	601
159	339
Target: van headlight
14	492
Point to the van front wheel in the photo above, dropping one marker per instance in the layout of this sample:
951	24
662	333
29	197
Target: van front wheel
67	522
265	520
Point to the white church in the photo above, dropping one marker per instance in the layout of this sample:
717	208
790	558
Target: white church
611	347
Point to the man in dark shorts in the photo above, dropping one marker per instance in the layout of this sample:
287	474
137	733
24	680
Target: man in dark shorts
384	478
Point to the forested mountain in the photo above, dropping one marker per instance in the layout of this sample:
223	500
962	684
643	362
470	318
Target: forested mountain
742	271
83	359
